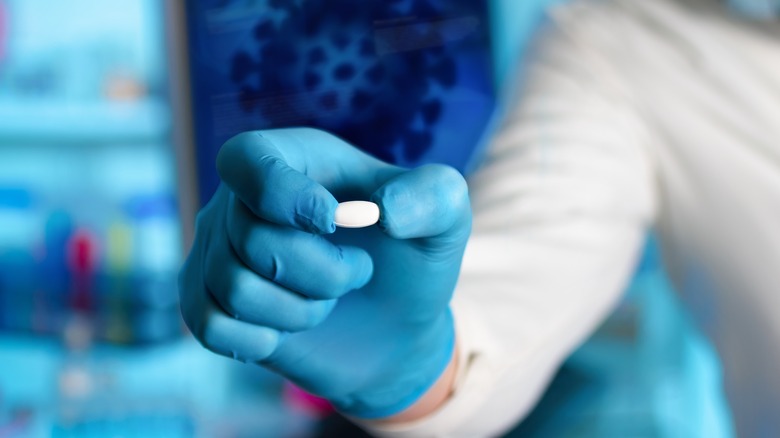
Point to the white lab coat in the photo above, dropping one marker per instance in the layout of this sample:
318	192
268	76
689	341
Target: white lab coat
636	113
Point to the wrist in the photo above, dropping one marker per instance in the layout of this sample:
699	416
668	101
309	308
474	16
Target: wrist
416	378
432	400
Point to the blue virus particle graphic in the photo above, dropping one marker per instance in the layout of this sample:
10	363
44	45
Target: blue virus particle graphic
372	72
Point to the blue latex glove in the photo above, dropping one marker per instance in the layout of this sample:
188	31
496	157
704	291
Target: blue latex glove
360	317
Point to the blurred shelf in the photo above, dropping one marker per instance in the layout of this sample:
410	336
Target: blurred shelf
47	121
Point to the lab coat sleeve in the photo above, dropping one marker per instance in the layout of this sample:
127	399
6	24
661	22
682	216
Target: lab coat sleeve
561	206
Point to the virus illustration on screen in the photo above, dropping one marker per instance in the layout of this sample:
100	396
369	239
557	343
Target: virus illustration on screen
372	72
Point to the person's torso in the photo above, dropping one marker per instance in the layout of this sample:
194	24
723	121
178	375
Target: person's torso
708	86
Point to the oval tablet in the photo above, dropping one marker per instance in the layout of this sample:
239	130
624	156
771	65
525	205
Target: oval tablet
356	214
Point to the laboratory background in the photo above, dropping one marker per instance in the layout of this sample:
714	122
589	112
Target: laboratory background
108	134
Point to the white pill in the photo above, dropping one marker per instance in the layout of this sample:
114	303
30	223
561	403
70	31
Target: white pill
356	214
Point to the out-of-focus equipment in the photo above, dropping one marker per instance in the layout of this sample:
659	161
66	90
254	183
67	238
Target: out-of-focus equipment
89	225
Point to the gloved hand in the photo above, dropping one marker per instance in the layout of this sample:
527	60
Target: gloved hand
357	316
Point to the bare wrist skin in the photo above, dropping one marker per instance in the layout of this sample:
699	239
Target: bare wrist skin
431	400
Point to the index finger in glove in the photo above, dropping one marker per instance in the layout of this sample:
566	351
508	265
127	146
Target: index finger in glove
289	176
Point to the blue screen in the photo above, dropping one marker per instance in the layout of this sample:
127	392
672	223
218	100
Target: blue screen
409	81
